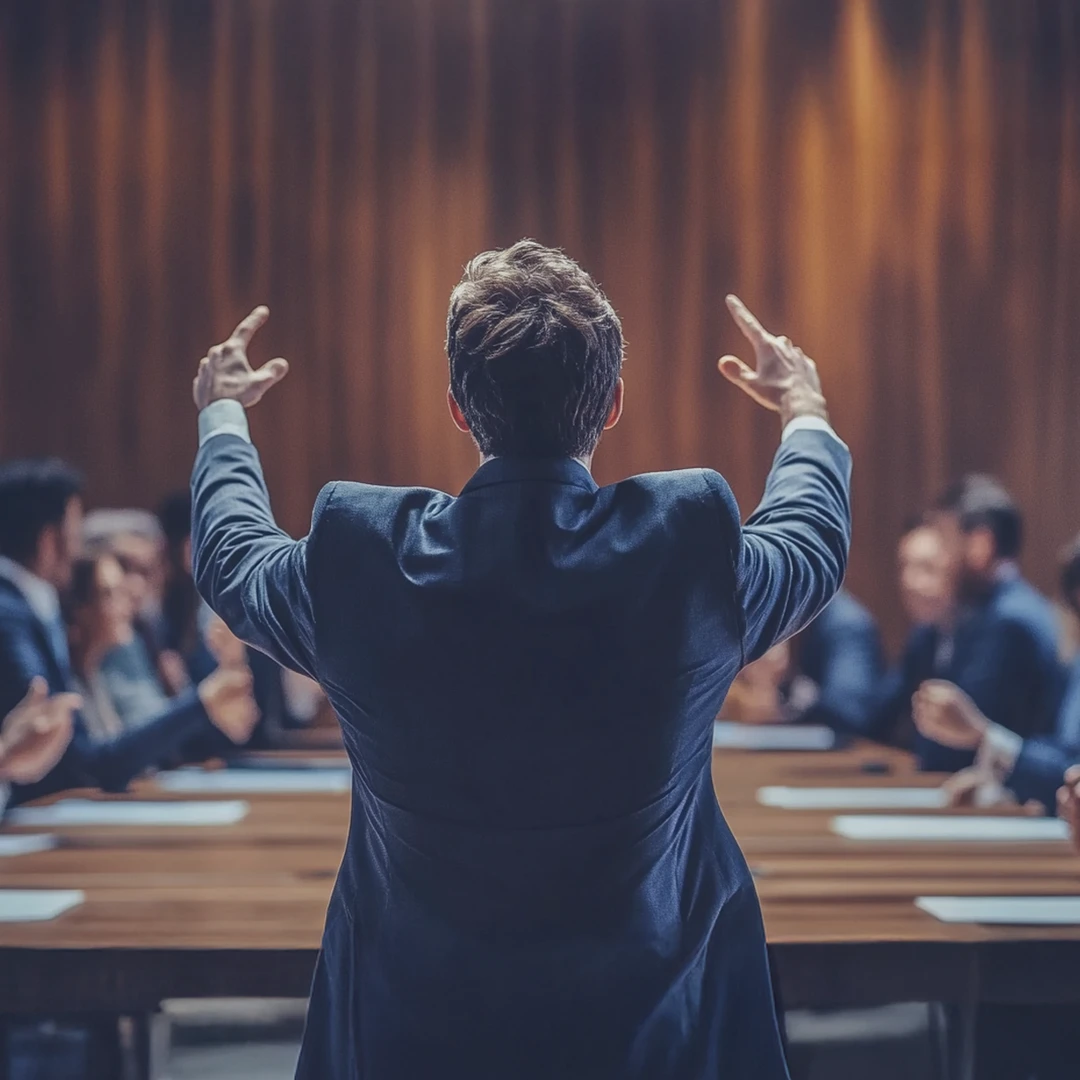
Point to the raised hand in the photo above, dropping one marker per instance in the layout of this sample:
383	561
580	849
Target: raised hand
229	702
35	733
226	373
785	379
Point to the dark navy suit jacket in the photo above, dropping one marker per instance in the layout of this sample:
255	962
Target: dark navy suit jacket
25	651
1004	656
538	881
841	652
1040	769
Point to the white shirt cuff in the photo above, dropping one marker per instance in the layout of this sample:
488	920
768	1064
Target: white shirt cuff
224	417
810	423
998	752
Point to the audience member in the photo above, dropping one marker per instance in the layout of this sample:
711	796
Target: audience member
1006	765
286	699
984	629
40	527
99	616
837	668
928	591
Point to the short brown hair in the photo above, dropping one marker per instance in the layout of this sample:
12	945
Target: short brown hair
535	353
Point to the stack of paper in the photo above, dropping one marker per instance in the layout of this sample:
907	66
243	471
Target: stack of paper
1004	910
729	736
916	827
867	798
69	812
37	905
26	844
249	781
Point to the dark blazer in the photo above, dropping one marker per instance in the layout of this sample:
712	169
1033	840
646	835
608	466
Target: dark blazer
538	880
1040	769
25	652
841	652
1004	656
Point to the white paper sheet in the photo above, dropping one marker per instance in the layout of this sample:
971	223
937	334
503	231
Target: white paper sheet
942	828
69	812
248	781
1004	910
37	905
867	798
26	844
729	736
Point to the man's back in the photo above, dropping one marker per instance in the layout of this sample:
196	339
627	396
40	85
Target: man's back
538	881
527	677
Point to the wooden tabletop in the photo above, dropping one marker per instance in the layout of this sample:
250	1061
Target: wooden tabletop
238	910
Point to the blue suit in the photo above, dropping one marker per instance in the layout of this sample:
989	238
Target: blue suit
1040	769
840	651
1004	656
26	651
538	880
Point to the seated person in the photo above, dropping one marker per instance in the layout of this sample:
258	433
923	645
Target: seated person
997	642
40	532
131	671
33	736
837	668
194	634
827	675
98	610
1007	766
928	592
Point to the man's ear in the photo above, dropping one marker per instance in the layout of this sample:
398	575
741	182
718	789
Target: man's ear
455	413
616	406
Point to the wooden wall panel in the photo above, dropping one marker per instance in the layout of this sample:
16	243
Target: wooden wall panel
894	184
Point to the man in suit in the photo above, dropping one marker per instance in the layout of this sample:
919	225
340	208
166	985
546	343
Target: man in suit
995	639
40	524
1030	770
538	880
837	667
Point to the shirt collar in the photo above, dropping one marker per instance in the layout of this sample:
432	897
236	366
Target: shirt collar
510	470
42	597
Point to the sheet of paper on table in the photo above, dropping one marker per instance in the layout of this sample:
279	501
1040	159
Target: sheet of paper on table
730	736
958	829
1004	910
26	844
249	781
68	812
864	798
37	905
289	761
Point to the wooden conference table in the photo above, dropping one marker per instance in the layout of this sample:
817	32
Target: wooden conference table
238	910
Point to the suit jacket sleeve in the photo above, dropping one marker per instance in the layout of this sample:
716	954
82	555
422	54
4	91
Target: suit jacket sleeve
792	551
112	765
1040	768
246	568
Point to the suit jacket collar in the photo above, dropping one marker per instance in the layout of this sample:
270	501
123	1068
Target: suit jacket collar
511	470
40	595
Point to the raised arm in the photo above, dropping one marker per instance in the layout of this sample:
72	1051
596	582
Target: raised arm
794	547
246	568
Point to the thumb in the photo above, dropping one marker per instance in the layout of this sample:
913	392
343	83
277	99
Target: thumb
36	693
273	371
734	370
